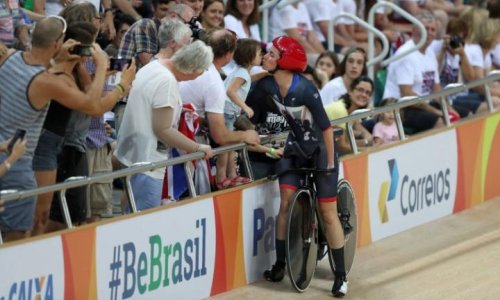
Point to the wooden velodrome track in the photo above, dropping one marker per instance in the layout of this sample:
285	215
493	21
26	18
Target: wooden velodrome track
456	257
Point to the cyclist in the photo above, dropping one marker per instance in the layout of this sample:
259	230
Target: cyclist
296	96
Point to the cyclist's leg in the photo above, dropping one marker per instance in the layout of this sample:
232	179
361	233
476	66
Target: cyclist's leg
288	185
326	186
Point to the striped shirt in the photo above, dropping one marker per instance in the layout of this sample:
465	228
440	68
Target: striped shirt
16	111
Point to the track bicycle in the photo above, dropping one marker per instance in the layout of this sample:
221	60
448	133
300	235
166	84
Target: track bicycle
304	236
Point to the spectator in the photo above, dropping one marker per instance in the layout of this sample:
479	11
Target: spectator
13	29
151	117
55	7
320	13
358	97
196	5
9	159
122	24
247	55
23	74
208	95
242	17
141	39
293	20
385	130
417	74
454	64
326	66
352	66
72	159
51	138
212	15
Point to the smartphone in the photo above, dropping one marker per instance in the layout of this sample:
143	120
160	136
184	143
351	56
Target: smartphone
19	135
117	64
82	50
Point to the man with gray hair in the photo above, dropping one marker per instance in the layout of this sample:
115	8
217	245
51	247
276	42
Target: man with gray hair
151	118
173	35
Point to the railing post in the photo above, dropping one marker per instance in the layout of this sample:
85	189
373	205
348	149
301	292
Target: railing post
246	163
190	181
65	209
444	109
399	124
352	138
130	194
487	95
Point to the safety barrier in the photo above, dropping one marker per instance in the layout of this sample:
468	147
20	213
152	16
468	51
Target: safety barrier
10	195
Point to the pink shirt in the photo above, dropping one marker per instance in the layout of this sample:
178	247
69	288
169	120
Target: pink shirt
388	133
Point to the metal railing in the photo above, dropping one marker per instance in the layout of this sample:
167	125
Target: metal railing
442	95
403	13
73	182
371	31
264	9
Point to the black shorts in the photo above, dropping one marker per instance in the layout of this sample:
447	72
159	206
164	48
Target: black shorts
71	162
326	183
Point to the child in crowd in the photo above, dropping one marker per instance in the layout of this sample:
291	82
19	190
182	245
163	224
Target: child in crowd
386	131
247	55
326	66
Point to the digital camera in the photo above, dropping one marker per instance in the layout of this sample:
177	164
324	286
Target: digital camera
456	41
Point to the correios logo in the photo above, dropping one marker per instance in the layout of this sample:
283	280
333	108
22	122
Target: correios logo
415	194
388	191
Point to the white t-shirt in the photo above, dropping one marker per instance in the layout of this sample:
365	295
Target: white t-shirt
230	22
320	10
154	87
450	66
416	69
206	93
347	6
240	72
333	90
495	56
289	17
476	57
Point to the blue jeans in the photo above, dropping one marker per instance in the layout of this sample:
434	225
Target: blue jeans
147	191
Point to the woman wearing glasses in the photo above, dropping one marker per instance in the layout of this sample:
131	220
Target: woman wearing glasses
358	97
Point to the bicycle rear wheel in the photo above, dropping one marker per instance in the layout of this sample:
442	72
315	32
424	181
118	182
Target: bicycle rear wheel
301	240
348	215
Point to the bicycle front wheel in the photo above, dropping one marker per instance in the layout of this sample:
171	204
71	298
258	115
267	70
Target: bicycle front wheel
348	215
301	240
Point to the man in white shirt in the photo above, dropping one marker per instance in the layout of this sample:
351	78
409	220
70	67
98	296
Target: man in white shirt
208	95
417	74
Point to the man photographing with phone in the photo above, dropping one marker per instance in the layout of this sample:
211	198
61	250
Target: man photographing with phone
27	89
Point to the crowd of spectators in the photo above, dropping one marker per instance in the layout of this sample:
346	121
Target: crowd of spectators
185	69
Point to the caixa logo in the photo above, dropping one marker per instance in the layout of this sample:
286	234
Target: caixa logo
415	193
40	288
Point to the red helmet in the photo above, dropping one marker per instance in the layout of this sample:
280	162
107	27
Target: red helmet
293	57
